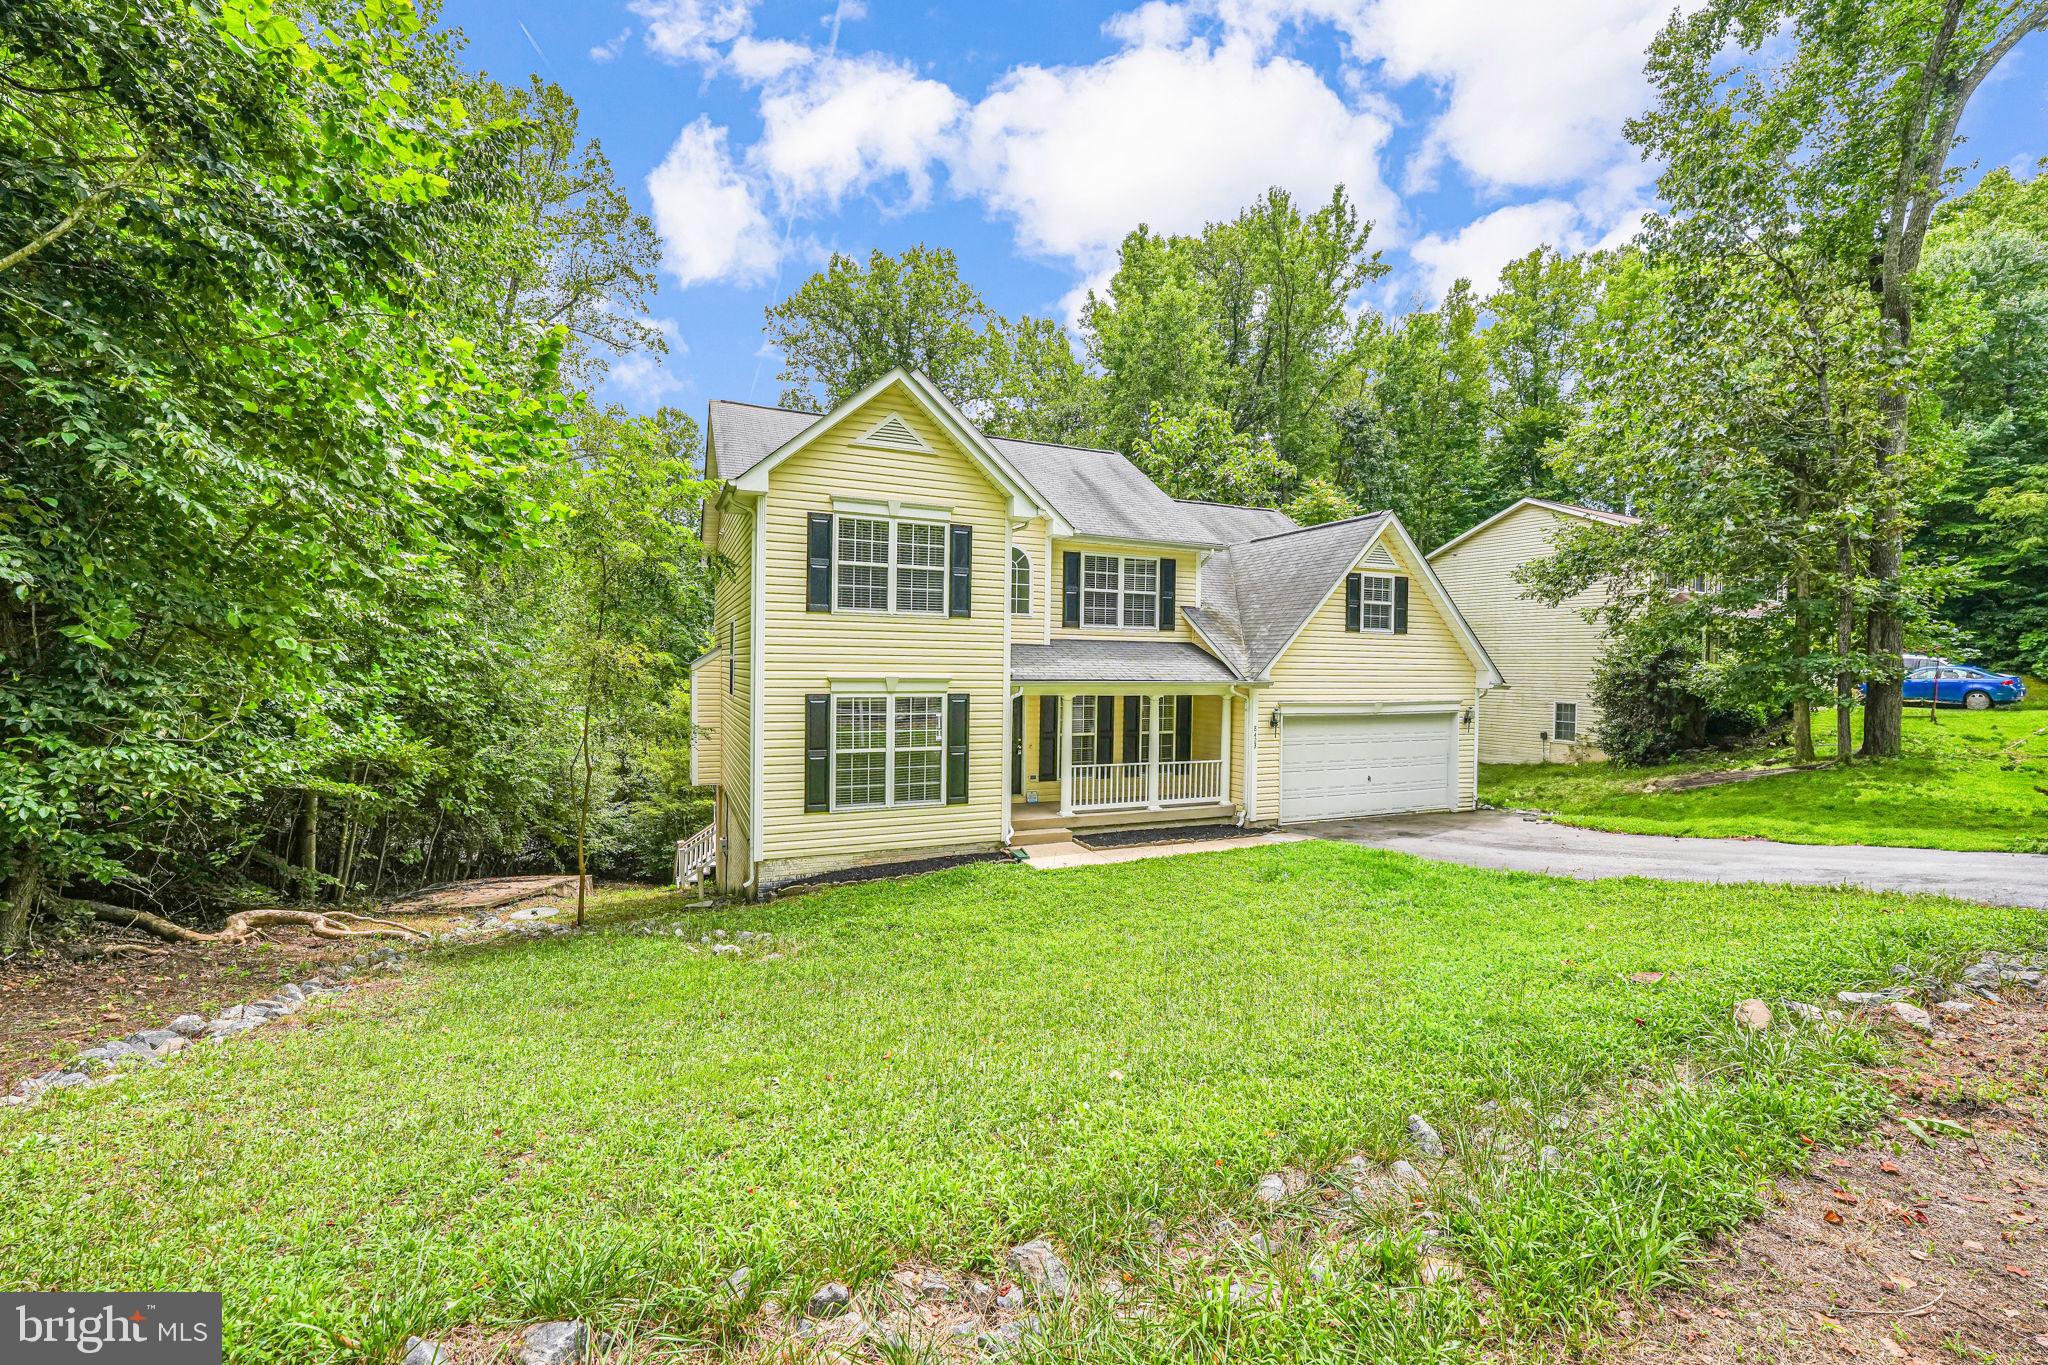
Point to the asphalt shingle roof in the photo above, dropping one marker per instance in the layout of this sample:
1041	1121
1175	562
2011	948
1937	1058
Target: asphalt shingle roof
1256	595
744	434
1116	661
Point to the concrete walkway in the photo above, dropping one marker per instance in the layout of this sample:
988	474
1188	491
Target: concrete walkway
1521	843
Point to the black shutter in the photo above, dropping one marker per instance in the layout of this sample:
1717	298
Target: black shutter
1183	729
818	564
817	750
1166	572
1017	747
1400	606
1048	739
960	598
956	748
1070	571
1105	729
1352	584
1134	729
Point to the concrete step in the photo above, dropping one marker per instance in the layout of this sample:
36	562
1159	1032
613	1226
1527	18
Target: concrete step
1043	834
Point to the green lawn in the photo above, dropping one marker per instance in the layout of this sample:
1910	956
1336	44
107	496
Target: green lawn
604	1126
1967	780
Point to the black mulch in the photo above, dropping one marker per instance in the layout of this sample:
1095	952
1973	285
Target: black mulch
877	871
1169	834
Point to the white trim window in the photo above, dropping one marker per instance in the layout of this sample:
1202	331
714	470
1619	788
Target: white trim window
1169	716
888	751
1564	722
1118	590
889	565
1020	582
1083	721
1376	602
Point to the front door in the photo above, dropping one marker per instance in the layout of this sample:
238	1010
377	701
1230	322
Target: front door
1016	746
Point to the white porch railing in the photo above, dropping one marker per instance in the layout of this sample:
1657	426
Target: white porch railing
1101	785
1189	780
1110	786
695	856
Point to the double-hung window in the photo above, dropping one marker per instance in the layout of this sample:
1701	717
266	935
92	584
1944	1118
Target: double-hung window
1084	728
1564	722
885	565
1376	602
1117	590
888	751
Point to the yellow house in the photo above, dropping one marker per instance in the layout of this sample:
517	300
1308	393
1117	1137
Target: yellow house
1549	714
930	641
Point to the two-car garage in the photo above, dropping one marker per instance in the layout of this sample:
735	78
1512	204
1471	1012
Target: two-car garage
1337	764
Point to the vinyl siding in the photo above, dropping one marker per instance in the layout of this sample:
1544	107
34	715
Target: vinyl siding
1183	591
806	651
732	620
1547	654
707	688
1036	629
1327	663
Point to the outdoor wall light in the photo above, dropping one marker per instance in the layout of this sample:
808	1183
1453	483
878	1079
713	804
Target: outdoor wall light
1467	717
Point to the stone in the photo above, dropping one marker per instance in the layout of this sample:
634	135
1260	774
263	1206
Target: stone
829	1300
1912	1016
1955	1008
1038	1265
67	1079
421	1352
1405	1174
295	994
156	1038
1354	1170
932	1285
1754	1016
726	950
1271	1189
772	957
1424	1137
178	1043
1858	999
720	933
744	936
1009	1296
1259	1245
190	1025
553	1343
1799	1009
739	1282
1549	1159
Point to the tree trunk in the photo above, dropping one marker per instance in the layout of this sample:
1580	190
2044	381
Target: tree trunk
309	844
24	890
1845	644
1802	653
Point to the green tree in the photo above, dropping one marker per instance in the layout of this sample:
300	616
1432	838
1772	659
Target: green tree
1537	323
1839	117
1416	443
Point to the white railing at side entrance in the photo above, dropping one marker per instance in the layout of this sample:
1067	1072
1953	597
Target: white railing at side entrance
695	856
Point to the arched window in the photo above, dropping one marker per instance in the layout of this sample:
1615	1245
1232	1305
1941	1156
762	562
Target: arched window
1020	582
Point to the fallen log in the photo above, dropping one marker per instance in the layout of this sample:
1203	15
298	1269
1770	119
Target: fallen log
243	923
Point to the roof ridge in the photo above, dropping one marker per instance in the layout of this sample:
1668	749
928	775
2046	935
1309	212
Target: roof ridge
1318	526
1217	502
767	407
1062	445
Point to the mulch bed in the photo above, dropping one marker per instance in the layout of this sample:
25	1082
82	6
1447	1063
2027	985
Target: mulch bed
1894	1250
1167	834
880	871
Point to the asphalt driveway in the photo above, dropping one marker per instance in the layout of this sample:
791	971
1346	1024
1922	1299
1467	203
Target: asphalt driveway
1521	843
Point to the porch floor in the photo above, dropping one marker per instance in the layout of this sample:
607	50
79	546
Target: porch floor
1046	815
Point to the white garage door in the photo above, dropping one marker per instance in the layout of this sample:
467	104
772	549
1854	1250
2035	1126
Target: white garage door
1337	766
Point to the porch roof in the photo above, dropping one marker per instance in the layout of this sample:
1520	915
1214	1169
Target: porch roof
1116	661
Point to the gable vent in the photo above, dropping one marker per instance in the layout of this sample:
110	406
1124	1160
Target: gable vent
1378	558
894	434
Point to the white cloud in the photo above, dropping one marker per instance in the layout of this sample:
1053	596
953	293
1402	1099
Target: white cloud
1170	136
1478	250
608	51
690	30
645	376
755	60
850	123
710	221
1156	23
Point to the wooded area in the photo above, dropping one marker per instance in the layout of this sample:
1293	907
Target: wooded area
325	578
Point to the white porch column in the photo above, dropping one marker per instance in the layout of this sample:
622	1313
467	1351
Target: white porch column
1152	755
1066	748
1223	749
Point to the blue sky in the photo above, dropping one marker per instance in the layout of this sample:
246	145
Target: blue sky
762	135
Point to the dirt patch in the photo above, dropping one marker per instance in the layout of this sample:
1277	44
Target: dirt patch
52	1005
1694	781
488	893
1897	1251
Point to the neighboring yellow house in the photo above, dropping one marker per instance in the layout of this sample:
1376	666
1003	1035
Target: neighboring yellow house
1550	652
930	642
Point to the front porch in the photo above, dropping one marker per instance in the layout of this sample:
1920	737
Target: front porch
1115	759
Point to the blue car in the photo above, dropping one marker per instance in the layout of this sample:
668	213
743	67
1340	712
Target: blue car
1961	685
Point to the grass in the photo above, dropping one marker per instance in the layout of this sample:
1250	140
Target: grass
1967	780
604	1126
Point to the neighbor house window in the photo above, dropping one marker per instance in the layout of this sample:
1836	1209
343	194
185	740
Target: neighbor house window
1564	722
1084	729
1375	602
885	565
888	751
1119	591
1020	583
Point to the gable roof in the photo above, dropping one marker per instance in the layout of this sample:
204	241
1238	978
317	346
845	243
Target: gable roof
1563	509
1257	596
1096	494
